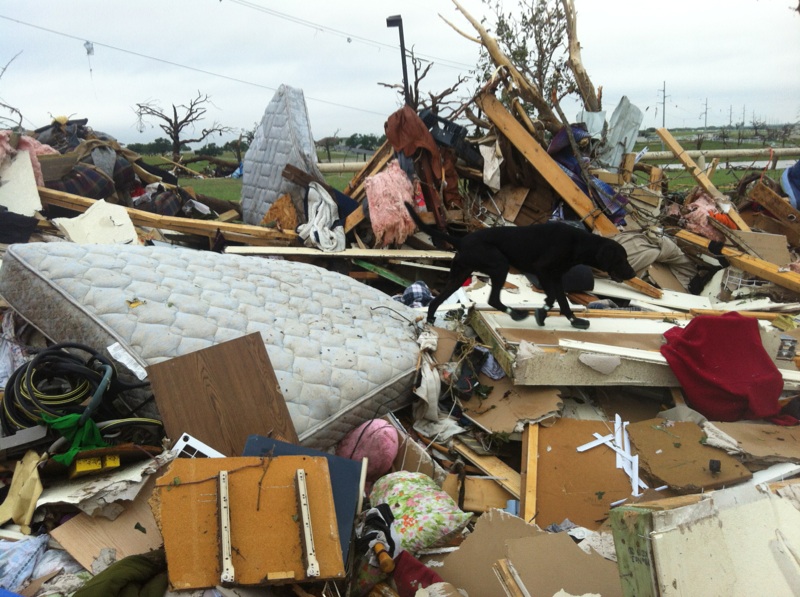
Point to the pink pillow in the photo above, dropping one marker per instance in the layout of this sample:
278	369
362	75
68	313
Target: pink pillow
377	440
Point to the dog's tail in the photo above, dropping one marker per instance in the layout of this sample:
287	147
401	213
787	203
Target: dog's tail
432	230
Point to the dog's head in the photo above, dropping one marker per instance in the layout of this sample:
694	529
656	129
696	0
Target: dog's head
613	259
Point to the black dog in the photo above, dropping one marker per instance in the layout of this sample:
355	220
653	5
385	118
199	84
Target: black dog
546	250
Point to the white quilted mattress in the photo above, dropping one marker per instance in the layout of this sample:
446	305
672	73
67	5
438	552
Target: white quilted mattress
342	351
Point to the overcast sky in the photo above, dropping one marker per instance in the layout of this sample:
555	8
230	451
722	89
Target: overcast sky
716	59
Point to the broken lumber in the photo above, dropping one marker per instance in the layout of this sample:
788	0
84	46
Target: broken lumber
506	476
700	177
780	208
530	456
547	167
752	265
208	228
346	253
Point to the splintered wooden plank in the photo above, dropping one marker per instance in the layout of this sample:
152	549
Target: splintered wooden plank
700	177
752	265
530	455
776	205
221	395
546	166
209	228
264	520
493	466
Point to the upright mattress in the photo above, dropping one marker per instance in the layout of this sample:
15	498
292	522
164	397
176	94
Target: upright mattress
342	351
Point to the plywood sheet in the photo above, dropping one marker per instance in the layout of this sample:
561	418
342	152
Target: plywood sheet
576	485
480	495
221	395
265	522
673	453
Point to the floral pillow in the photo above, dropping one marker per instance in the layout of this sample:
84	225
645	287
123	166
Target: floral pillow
425	516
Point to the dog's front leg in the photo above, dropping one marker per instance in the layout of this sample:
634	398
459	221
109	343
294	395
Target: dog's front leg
553	288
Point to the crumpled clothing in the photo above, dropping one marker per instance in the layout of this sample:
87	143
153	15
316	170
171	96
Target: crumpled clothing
143	575
18	559
429	390
416	295
490	368
724	370
601	193
644	250
323	229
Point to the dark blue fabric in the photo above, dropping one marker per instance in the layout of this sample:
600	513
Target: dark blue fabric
603	195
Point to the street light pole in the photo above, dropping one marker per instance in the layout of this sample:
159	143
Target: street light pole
397	21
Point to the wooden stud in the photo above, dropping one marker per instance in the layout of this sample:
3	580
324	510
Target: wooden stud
546	166
530	455
492	466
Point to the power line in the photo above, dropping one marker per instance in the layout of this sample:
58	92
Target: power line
183	66
348	36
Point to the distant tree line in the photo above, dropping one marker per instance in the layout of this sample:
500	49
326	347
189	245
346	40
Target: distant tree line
163	146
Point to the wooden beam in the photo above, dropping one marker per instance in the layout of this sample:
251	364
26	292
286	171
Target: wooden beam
528	478
700	176
781	209
207	228
509	579
384	273
492	466
752	265
346	253
626	168
546	166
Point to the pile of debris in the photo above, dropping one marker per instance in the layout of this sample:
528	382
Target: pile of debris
182	416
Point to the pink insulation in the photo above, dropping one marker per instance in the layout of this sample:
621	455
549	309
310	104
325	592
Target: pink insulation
696	216
29	144
387	192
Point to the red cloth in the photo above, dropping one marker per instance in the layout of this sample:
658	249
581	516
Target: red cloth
724	370
410	575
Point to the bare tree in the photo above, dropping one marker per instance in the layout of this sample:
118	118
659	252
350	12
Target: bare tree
180	122
760	129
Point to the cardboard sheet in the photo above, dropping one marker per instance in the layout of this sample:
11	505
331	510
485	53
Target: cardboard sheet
551	562
576	485
508	407
132	532
673	453
763	442
470	568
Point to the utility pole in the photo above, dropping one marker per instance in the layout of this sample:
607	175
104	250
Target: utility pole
663	110
705	119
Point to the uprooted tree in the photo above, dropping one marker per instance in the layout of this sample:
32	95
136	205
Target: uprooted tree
537	51
181	123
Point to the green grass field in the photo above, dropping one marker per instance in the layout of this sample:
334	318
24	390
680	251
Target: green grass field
726	180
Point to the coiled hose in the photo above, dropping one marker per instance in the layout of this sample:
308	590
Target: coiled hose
58	382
